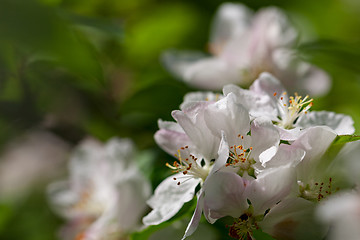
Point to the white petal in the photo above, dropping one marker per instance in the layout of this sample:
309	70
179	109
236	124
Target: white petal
315	141
272	26
340	123
231	21
193	98
223	154
62	199
265	140
203	72
193	122
195	219
291	217
224	196
270	187
228	116
169	198
257	103
299	76
286	154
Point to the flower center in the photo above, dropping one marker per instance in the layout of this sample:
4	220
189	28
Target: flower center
292	109
189	165
243	227
317	191
239	157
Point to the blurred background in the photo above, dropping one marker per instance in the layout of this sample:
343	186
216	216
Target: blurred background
73	68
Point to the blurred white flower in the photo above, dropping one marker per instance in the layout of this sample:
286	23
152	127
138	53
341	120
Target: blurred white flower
243	45
104	197
342	213
30	160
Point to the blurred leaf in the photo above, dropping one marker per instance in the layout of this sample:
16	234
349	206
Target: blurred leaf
159	29
152	102
5	214
102	25
40	31
332	54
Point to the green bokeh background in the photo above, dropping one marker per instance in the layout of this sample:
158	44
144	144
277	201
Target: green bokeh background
94	66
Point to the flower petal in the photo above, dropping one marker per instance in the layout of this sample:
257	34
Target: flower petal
231	21
224	196
171	137
270	187
228	116
210	73
193	122
340	123
265	140
195	219
169	198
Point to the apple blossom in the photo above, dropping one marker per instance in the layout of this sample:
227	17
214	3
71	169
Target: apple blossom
267	97
243	45
200	129
105	194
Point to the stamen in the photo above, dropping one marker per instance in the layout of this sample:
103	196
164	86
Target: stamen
290	111
189	165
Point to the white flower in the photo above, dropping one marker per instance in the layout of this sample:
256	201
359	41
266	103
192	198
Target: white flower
201	129
267	97
243	45
105	194
316	178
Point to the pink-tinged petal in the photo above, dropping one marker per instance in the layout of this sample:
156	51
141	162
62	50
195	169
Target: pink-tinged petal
171	141
290	219
265	140
209	73
340	123
169	197
270	187
193	122
224	196
231	21
228	116
195	219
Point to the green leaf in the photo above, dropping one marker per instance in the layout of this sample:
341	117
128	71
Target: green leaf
342	139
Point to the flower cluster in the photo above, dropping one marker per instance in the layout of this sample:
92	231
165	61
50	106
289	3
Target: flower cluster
251	154
256	153
259	155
